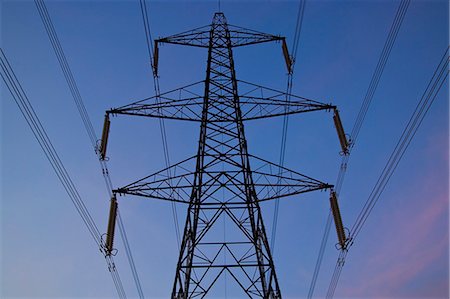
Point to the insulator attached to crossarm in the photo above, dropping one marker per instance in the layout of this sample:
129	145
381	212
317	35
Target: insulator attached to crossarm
111	226
341	133
287	57
105	135
155	58
338	220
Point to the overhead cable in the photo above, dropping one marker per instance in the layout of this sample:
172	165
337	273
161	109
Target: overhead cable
162	127
376	76
46	145
298	29
436	82
430	93
60	55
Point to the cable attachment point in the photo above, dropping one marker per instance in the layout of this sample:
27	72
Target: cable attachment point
287	57
341	133
105	135
155	58
111	227
338	221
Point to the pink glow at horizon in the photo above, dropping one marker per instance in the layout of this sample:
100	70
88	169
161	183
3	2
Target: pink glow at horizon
419	239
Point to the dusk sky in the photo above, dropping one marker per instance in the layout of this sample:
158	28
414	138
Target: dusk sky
401	252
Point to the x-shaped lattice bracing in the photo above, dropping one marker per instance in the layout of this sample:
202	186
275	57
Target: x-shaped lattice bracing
256	102
175	183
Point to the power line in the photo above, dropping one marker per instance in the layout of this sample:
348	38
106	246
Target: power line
48	24
395	27
416	119
46	145
59	52
437	80
298	28
129	255
39	132
387	48
162	127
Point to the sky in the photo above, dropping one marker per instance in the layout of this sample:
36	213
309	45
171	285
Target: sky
403	249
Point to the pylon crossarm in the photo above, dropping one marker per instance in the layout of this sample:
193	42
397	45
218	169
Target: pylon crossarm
259	107
178	191
175	183
183	103
199	37
273	181
256	102
243	37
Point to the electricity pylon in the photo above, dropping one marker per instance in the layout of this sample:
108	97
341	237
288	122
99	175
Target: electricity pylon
222	182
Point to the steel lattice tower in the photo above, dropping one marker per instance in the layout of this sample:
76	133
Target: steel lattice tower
223	186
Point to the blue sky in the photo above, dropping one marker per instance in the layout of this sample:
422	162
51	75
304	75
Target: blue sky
403	248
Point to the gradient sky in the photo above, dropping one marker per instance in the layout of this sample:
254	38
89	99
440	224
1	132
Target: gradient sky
402	251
